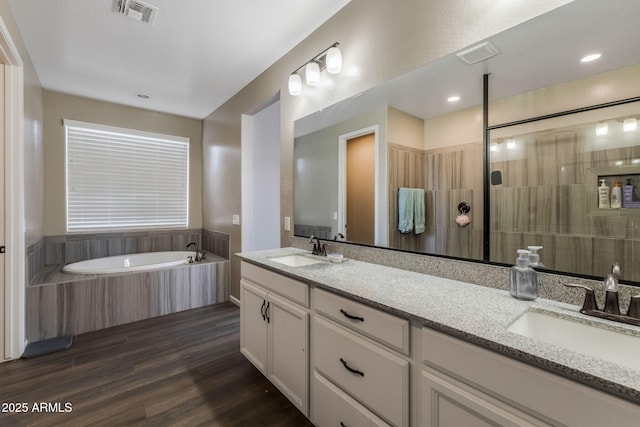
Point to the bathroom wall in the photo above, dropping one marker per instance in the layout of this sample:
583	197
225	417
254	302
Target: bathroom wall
59	106
380	40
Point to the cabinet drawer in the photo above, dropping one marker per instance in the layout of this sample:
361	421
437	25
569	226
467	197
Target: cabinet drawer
285	286
331	407
369	373
386	328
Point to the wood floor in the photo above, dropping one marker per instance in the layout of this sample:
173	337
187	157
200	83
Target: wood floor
183	369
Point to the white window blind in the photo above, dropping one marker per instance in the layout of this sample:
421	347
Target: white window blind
125	179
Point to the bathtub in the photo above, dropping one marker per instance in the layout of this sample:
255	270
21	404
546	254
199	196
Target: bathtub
131	262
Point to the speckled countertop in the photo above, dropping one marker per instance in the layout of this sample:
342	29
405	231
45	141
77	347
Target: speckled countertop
476	314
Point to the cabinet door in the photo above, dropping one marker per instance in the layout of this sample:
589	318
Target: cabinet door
449	403
253	326
289	350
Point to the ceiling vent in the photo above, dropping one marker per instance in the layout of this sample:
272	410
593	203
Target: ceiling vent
478	53
135	9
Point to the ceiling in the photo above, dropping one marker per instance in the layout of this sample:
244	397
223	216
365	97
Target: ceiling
193	57
536	54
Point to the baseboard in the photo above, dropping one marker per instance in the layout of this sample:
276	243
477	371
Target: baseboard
234	300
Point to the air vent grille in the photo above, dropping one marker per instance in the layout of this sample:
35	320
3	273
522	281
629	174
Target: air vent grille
135	9
478	53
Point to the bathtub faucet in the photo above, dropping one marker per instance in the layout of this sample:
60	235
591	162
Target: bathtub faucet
199	255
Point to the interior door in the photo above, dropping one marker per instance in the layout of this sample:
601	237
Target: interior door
3	300
361	195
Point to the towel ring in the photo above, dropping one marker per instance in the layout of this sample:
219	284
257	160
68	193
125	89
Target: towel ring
464	208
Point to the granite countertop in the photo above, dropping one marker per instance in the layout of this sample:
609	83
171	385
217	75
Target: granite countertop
477	314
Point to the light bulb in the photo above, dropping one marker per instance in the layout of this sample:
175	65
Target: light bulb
295	85
602	129
312	73
334	60
630	125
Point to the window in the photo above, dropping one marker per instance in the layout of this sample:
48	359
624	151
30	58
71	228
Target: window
125	179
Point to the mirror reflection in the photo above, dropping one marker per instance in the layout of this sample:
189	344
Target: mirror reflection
356	161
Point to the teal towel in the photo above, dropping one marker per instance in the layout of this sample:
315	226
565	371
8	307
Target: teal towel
405	210
418	210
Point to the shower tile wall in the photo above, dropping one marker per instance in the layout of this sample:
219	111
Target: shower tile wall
548	197
449	176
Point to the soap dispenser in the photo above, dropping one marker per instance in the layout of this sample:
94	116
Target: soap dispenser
534	257
603	195
523	283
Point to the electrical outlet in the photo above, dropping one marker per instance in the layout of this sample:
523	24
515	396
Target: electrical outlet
287	223
335	216
236	219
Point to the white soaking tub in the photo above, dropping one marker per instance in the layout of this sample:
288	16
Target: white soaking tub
131	262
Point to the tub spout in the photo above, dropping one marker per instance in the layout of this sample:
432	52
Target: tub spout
199	255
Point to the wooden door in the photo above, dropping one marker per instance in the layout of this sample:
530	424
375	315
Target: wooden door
360	193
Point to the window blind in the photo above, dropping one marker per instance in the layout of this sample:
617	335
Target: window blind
125	179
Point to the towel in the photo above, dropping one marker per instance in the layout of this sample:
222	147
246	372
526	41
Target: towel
405	209
418	210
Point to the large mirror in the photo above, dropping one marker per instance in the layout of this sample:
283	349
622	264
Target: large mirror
402	167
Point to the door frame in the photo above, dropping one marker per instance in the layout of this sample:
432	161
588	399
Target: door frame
380	213
14	280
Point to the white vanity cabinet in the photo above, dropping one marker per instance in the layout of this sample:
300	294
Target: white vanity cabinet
463	384
367	380
274	330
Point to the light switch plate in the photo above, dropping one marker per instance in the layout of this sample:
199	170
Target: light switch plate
236	219
287	223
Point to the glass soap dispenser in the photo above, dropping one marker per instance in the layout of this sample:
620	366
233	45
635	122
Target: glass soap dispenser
523	282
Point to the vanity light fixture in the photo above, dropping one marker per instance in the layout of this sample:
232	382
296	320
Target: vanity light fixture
329	59
602	129
630	125
493	147
295	84
511	144
591	57
312	74
454	98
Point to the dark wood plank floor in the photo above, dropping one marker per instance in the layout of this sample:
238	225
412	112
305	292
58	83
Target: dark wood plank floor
184	369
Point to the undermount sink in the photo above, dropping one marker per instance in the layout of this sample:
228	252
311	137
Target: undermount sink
296	260
608	345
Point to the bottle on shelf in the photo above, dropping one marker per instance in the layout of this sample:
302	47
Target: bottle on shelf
603	195
616	196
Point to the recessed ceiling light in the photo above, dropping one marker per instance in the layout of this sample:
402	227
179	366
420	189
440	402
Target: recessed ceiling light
590	57
142	95
454	98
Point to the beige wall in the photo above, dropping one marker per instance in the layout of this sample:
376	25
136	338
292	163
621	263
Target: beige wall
405	129
58	106
380	40
33	119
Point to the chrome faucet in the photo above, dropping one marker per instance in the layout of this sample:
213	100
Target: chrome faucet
199	254
611	309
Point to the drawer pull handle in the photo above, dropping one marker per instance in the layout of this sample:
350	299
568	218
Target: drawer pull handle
351	316
262	310
350	369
